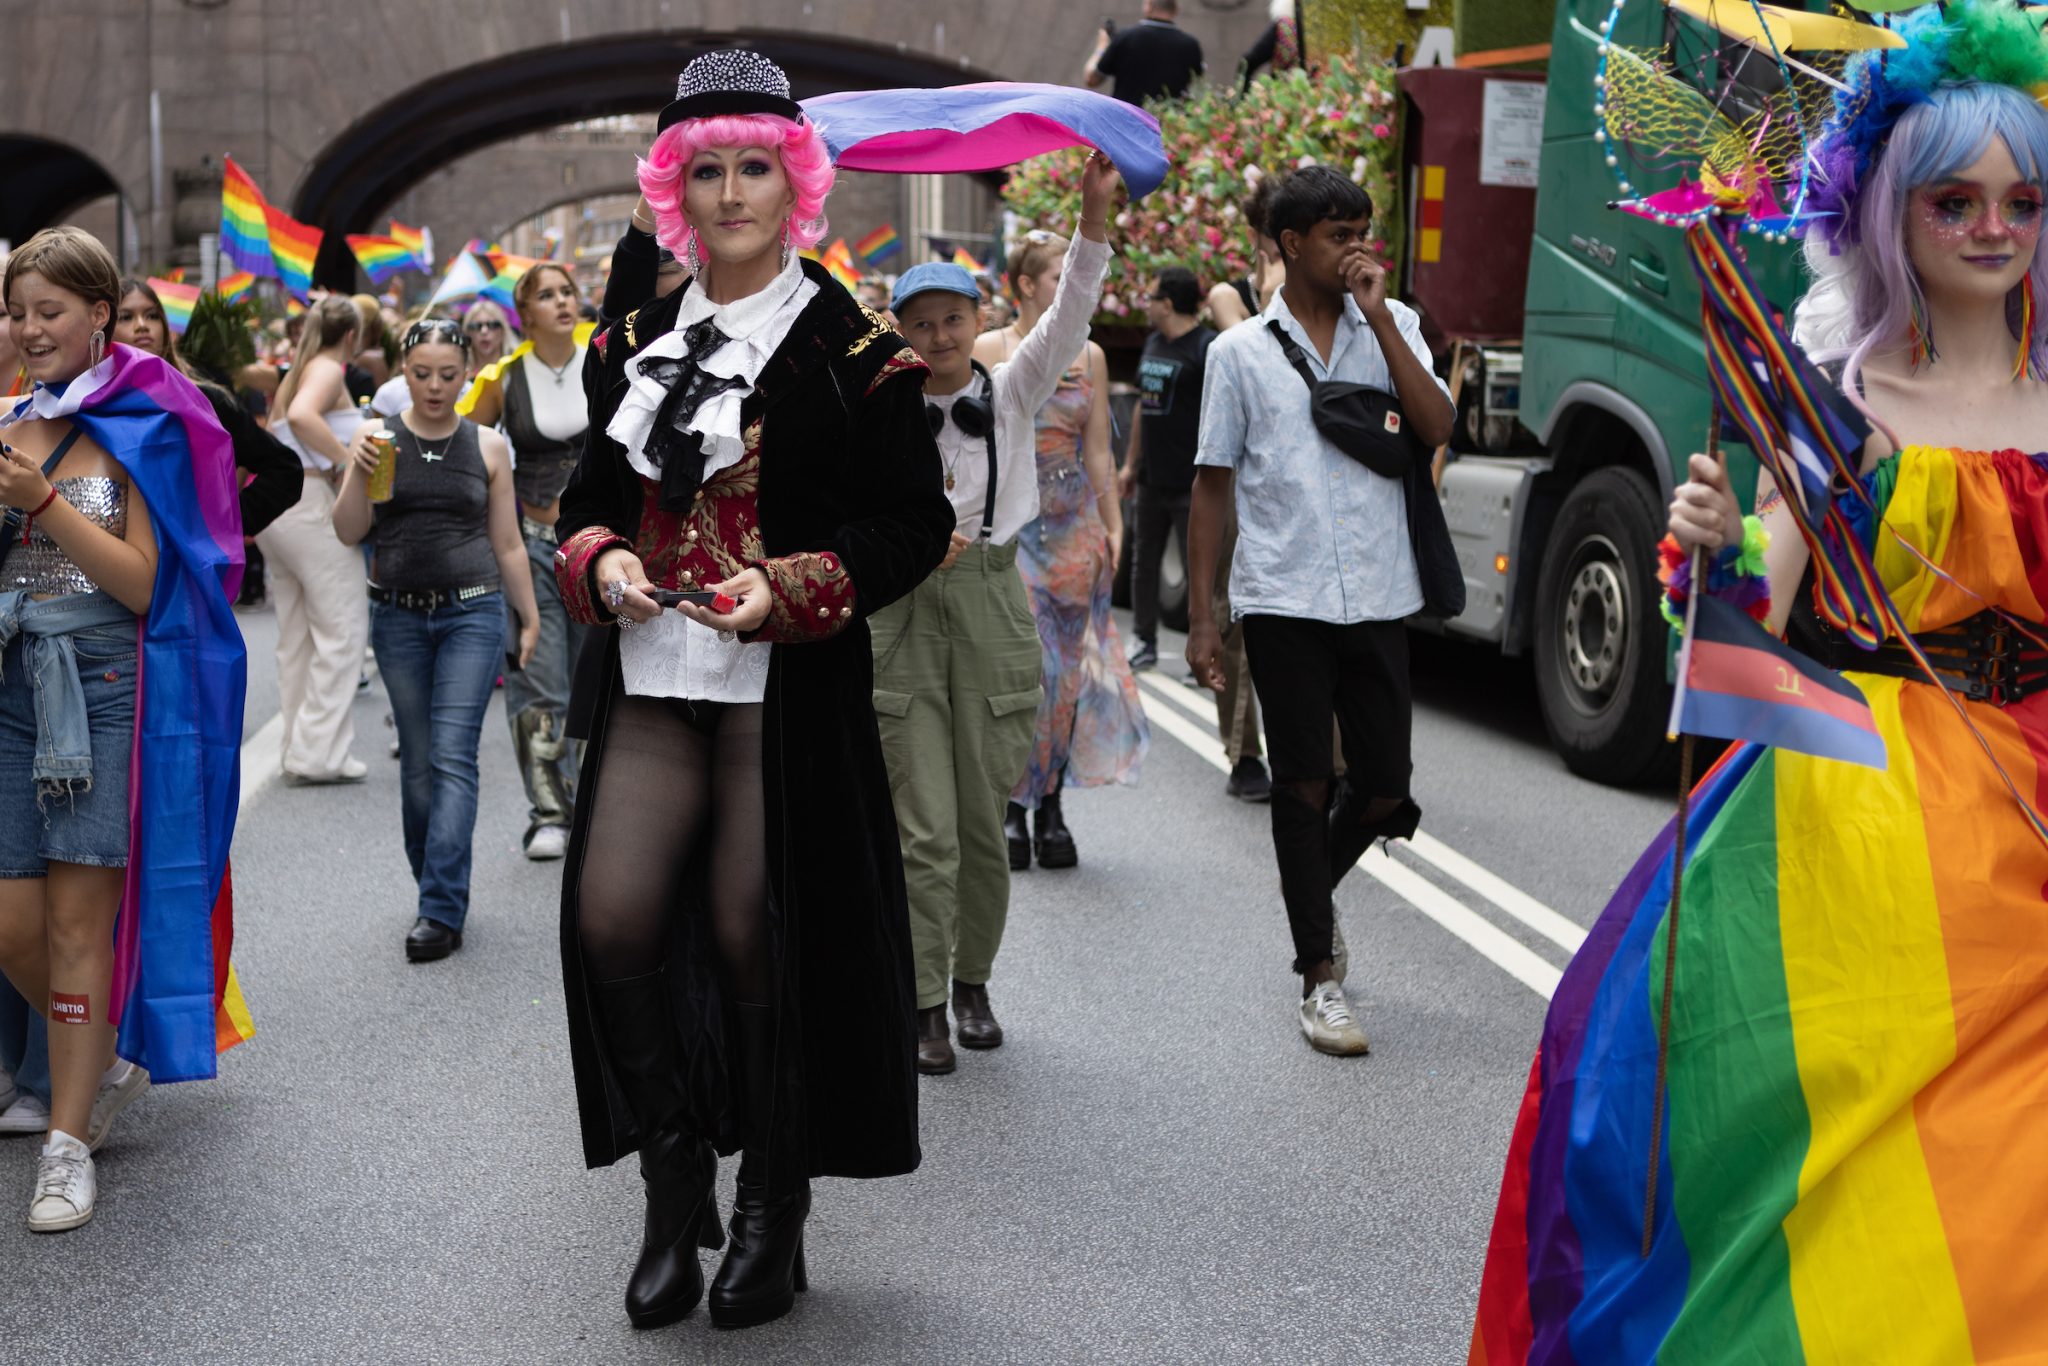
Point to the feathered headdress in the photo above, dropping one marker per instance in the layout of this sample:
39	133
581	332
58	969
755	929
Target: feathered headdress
1985	42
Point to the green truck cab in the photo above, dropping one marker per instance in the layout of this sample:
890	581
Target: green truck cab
1557	533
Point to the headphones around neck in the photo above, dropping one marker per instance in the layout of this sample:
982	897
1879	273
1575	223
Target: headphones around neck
973	415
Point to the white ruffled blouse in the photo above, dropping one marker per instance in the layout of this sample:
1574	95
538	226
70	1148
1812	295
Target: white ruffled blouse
673	656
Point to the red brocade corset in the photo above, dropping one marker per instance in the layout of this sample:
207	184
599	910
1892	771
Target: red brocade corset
718	537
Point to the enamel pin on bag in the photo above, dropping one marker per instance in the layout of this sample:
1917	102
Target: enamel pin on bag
1367	424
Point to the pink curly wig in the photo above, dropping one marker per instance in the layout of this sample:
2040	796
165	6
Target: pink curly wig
804	160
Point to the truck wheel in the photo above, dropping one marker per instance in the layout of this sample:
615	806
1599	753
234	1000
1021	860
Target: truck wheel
1600	640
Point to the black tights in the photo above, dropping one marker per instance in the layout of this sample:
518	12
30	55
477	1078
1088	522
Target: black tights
678	776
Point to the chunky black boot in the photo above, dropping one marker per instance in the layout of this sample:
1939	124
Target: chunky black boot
1055	843
764	1267
679	1169
1019	837
1350	838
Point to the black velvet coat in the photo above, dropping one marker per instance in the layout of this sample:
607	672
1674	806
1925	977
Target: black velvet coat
849	466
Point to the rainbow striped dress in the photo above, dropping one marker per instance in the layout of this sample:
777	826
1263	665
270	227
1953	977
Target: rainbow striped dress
1854	1165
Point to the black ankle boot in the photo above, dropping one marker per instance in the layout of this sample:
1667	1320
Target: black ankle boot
1019	837
764	1267
1350	838
678	1168
1055	843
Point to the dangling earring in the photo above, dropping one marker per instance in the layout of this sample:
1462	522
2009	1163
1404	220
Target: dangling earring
785	246
690	262
99	349
1921	349
2019	362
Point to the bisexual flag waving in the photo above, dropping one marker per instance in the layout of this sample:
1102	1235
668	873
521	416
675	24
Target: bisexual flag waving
1743	683
986	127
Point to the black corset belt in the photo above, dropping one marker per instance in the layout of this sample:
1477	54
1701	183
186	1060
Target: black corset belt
1983	658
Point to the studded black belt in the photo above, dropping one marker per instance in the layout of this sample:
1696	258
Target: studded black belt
428	599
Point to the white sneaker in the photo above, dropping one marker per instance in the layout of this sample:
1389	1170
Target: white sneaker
1327	1022
64	1186
26	1116
548	842
119	1086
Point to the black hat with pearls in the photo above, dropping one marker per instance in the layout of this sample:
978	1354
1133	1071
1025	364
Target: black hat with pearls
730	81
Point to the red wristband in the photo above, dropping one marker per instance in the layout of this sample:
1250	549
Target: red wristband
28	523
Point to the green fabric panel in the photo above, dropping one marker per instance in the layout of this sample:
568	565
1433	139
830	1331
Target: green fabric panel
1736	1111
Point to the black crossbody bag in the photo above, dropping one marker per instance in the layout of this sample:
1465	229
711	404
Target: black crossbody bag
10	524
1368	424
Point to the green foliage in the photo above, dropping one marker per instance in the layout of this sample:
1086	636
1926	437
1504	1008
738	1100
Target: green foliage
1220	145
220	339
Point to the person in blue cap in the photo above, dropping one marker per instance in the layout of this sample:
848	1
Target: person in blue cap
957	661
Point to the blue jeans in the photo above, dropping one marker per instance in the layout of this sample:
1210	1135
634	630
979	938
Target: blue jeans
24	1043
439	670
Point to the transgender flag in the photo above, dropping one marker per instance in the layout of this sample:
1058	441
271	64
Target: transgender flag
1740	682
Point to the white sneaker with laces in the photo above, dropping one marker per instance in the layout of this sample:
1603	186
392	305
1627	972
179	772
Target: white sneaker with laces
119	1086
1327	1022
26	1116
548	842
64	1186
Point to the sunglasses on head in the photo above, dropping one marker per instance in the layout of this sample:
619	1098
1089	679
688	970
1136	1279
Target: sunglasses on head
484	325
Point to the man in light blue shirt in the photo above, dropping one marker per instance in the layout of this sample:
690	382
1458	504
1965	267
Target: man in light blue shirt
1324	571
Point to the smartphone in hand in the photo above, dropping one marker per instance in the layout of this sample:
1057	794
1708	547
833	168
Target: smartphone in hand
717	602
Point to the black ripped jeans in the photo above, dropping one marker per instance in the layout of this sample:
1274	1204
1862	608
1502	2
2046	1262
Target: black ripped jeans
1305	672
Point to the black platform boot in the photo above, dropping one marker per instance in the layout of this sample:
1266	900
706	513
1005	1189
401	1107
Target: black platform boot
679	1169
1349	838
764	1267
1019	837
1055	843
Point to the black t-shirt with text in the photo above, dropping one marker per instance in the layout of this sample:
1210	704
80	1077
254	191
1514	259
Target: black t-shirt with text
1151	59
1170	406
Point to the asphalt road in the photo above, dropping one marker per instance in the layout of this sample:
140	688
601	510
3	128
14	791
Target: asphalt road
1154	1168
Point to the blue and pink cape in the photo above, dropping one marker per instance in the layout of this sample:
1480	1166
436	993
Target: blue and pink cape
176	1002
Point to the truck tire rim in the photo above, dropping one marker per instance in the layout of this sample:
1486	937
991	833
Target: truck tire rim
1595	619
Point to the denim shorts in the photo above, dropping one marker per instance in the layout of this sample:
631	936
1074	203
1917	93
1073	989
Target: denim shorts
89	827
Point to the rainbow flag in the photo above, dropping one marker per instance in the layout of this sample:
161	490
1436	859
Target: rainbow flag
292	307
380	257
178	299
415	241
176	275
963	259
295	246
236	287
244	223
879	245
498	289
1850	1164
839	262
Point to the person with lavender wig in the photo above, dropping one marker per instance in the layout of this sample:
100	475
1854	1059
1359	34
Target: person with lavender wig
1850	1055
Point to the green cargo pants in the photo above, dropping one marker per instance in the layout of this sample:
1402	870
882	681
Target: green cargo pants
956	695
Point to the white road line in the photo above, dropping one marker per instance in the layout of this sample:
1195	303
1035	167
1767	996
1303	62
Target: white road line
1494	944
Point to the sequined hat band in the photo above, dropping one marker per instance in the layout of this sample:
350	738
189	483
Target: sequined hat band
730	82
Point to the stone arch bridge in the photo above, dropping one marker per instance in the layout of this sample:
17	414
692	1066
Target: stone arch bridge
346	114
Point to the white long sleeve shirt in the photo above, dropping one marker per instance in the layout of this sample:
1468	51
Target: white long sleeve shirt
1022	383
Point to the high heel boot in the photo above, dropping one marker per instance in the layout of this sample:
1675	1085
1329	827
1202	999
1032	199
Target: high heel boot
678	1168
1019	837
1055	843
764	1267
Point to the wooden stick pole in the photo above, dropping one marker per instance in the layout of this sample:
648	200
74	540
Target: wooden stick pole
1686	749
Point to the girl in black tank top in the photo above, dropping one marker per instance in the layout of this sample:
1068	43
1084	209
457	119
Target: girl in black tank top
449	559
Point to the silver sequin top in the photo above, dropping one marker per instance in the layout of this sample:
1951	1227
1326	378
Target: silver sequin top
40	566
